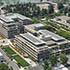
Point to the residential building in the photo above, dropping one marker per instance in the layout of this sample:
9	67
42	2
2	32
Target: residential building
12	24
62	20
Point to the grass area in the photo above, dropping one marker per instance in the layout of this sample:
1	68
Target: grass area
20	61
65	34
9	51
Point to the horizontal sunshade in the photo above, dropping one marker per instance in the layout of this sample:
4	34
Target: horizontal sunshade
6	19
32	39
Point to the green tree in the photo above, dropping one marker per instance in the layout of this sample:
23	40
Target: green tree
63	58
46	65
50	9
4	67
53	59
60	6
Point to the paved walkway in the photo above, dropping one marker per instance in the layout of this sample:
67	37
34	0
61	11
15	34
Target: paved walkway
31	62
10	63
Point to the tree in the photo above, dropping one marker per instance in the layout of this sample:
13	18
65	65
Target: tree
50	9
66	9
69	14
63	58
53	59
4	67
46	65
60	6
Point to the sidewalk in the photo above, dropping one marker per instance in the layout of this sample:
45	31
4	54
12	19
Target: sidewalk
31	62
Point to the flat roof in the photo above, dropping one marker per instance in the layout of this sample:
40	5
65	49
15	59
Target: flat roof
9	18
33	26
53	35
16	15
3	18
33	39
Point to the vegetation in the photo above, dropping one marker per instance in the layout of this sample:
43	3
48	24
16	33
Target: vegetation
4	67
47	66
63	58
29	10
13	55
53	59
20	61
64	33
8	50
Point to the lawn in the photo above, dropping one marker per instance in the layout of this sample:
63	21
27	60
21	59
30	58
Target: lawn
9	51
20	61
65	34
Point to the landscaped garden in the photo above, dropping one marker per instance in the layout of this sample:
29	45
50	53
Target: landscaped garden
13	55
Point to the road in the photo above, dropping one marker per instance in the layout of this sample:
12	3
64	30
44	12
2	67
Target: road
10	63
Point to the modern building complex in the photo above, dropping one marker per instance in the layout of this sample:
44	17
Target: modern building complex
62	20
42	45
55	42
32	45
12	24
33	28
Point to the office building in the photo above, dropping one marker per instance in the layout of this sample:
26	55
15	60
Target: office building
33	28
55	42
40	46
12	24
33	46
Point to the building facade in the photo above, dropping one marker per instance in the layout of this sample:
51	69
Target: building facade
41	46
13	24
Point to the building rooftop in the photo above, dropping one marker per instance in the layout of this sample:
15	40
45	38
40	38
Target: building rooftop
34	26
16	15
54	36
10	16
7	20
33	39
